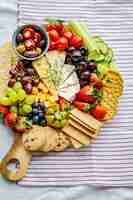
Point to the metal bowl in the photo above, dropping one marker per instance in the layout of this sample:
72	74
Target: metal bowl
37	28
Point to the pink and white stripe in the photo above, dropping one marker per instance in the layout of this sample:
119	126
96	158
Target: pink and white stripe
108	161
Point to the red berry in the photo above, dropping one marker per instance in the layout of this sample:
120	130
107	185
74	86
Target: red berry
76	41
29	44
37	37
10	119
51	27
98	112
54	36
68	35
3	109
62	43
60	28
52	45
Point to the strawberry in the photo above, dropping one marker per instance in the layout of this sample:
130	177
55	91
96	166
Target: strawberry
3	109
96	81
61	103
85	98
98	112
85	107
85	94
10	119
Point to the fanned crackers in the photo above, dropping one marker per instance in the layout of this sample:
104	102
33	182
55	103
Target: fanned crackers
112	90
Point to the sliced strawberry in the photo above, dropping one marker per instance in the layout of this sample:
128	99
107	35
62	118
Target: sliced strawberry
10	119
96	81
88	90
85	98
85	107
85	94
61	103
98	112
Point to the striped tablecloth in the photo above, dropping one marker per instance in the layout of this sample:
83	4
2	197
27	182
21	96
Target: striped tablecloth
108	161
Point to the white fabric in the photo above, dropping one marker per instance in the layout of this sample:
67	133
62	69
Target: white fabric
109	160
12	191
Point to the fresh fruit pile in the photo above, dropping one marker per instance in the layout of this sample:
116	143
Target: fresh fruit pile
30	41
37	115
61	37
25	73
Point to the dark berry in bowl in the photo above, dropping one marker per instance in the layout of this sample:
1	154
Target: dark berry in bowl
19	38
34	36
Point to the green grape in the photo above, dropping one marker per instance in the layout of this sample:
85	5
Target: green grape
26	108
5	101
21	95
30	99
13	98
20	110
9	91
14	109
17	86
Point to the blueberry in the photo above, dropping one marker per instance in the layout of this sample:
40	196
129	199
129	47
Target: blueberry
36	119
43	122
30	115
35	111
41	115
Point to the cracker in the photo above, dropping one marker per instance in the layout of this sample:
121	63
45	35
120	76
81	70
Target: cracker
34	139
114	80
76	134
93	124
51	140
78	125
63	142
75	143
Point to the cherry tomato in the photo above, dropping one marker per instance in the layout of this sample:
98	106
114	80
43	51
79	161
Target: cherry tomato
68	35
54	36
60	28
62	43
52	45
76	41
29	44
28	33
51	27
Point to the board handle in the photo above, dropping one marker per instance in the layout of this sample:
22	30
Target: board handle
17	156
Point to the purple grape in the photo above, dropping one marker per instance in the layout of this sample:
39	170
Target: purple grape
85	75
11	82
28	88
35	82
26	79
83	51
13	72
29	71
92	66
83	83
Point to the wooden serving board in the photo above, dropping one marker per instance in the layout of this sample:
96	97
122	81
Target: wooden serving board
17	154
